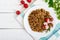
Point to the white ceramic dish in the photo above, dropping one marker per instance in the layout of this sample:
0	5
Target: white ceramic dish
38	35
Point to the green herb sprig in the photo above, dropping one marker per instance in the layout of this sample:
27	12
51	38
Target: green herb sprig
56	5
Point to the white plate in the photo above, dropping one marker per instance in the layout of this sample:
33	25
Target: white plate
27	26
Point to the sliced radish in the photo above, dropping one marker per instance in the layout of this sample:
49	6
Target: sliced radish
43	26
46	19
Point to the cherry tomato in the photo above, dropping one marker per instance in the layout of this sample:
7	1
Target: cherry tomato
25	5
18	12
22	2
29	1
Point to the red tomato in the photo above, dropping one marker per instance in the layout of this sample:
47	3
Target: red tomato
29	1
18	12
22	2
25	5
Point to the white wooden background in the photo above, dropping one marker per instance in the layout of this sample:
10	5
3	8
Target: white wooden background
10	29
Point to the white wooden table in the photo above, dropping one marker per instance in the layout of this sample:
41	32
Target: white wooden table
10	29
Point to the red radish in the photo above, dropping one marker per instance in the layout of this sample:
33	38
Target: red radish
45	23
43	26
25	5
18	12
46	19
22	2
29	1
